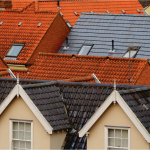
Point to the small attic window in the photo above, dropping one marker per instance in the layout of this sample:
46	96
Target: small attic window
20	23
133	51
61	14
39	24
76	13
68	23
85	49
14	51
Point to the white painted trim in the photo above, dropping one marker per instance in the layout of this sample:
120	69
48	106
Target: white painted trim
115	127
30	104
125	108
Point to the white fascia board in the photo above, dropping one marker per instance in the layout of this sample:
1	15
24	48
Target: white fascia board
97	114
19	90
115	97
132	117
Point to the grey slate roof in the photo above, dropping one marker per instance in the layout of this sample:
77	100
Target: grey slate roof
100	29
48	100
80	99
139	102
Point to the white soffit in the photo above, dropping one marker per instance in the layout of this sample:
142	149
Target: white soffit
115	97
18	90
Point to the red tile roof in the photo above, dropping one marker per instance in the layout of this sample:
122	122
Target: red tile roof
97	6
62	67
27	33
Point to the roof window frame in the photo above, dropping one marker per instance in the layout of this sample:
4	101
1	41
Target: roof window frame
133	48
86	45
11	56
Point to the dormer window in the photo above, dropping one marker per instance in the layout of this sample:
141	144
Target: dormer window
14	51
133	51
85	49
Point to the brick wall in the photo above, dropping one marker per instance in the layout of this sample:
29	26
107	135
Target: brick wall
53	39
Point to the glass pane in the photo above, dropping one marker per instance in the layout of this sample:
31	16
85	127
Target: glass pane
132	53
110	132
22	144
124	142
14	51
21	135
15	134
112	149
117	142
110	141
16	144
15	125
28	127
117	133
124	133
21	126
28	145
28	135
84	50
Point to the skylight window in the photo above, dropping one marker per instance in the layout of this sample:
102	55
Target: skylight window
85	49
132	50
14	51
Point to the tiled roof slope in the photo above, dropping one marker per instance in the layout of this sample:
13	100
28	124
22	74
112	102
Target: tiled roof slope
144	3
68	7
106	69
48	100
28	33
101	29
6	85
81	101
139	102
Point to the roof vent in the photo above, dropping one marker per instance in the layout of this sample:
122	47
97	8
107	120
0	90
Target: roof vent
138	10
66	44
107	11
76	13
61	14
39	24
91	12
1	23
20	23
113	49
123	11
68	23
58	6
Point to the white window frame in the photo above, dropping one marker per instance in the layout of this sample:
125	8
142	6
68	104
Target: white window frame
11	131
115	127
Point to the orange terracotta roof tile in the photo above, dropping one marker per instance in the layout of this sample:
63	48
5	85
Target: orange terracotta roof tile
106	69
144	78
2	63
97	6
28	33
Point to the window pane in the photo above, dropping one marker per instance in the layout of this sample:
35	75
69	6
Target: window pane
28	135
118	133
28	145
84	50
21	135
15	134
117	142
16	144
124	133
110	141
22	144
124	142
21	126
14	51
15	125
132	53
28	127
111	133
